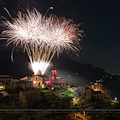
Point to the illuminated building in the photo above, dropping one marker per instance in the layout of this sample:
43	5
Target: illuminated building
55	82
102	95
94	92
36	81
53	73
40	81
96	87
2	86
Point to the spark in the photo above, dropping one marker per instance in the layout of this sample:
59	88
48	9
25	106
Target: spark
41	36
39	65
35	67
33	27
40	58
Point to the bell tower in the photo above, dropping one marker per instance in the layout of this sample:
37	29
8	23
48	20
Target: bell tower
54	73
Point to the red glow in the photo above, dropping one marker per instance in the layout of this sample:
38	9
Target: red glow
47	82
53	77
54	72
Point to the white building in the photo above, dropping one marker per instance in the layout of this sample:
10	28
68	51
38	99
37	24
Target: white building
36	81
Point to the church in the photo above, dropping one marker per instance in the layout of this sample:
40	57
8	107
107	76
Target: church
40	81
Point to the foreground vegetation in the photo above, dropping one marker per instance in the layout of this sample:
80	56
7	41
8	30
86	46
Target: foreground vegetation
50	101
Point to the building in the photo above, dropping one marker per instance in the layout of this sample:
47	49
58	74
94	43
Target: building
8	81
100	94
14	83
55	83
26	84
5	78
2	86
28	97
81	92
73	89
96	87
58	95
88	94
53	74
27	78
85	92
38	80
94	92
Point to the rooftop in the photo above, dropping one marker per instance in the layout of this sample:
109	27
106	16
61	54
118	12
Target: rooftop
29	92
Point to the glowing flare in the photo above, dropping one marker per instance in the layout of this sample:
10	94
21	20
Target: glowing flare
35	67
43	66
39	66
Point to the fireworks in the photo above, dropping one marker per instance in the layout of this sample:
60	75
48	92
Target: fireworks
39	65
42	36
34	27
23	29
39	59
35	67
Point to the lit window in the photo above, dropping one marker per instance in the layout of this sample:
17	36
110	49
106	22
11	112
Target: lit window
1	87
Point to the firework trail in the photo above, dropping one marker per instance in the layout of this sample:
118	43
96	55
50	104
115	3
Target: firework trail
41	36
40	58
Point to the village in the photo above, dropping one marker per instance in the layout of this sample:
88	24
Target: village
29	89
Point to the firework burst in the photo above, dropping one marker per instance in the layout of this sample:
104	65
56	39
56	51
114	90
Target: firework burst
34	27
41	36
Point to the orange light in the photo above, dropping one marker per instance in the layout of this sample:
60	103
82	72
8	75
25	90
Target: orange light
53	77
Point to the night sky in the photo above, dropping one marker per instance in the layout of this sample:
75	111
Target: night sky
100	21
